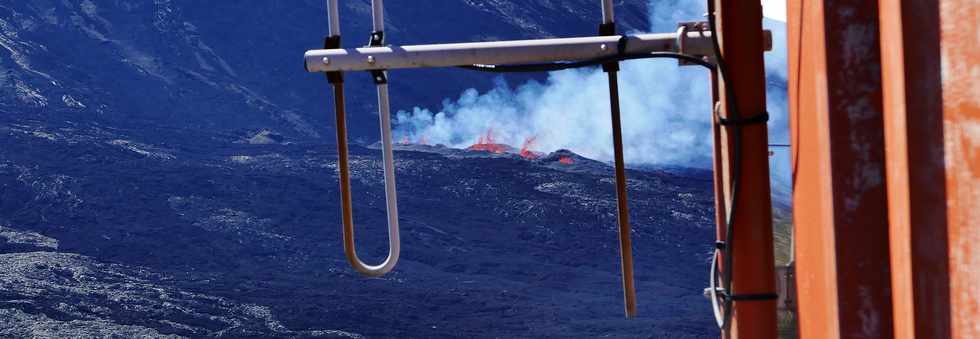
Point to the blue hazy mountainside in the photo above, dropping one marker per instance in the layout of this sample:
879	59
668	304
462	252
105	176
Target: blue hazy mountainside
229	65
167	168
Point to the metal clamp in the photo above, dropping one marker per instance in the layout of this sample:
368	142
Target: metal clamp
701	27
377	40
609	29
330	42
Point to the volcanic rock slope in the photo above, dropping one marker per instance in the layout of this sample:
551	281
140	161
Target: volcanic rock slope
103	232
165	170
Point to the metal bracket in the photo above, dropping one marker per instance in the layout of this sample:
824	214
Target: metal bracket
379	77
608	29
692	26
377	40
331	42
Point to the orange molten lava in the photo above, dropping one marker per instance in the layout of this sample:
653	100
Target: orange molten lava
422	141
486	144
566	160
403	141
526	152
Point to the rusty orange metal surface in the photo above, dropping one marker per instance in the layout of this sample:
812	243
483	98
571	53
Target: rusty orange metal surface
840	214
913	98
931	70
960	50
753	262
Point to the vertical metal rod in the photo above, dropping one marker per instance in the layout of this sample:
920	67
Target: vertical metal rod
607	11
333	16
625	245
384	115
343	165
377	15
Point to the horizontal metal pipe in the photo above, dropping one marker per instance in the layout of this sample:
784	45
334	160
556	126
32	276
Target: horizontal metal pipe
501	52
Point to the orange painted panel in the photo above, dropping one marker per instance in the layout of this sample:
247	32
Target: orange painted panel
931	69
960	51
840	211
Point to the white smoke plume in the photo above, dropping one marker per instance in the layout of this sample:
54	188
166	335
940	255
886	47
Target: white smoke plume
665	108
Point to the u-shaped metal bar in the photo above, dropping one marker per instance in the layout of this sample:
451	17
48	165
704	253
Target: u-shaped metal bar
391	199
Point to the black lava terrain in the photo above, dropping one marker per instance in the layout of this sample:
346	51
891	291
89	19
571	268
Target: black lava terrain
106	231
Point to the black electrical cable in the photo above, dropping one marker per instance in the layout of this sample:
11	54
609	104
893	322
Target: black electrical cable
557	66
727	248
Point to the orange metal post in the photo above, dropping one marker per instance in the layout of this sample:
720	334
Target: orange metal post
840	214
932	114
739	27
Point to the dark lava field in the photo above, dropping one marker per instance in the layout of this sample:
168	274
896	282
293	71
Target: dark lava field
106	233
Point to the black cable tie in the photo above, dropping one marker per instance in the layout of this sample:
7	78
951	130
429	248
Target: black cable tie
333	42
377	39
752	296
720	245
760	118
609	29
379	77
